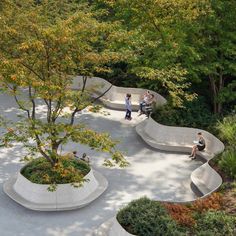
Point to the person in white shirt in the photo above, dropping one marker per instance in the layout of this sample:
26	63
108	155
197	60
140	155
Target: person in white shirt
143	103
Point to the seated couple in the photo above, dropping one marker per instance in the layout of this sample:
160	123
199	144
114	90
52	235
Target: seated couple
147	100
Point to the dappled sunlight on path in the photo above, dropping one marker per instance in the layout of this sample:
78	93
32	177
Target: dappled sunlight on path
155	174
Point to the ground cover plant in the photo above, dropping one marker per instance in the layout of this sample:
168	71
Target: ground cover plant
67	170
204	217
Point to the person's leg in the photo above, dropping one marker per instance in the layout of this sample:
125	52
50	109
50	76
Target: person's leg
193	150
141	105
129	114
126	115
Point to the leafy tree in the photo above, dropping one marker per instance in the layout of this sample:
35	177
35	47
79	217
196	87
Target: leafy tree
214	44
158	39
40	52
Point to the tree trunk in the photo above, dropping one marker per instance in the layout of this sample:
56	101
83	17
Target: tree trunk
84	83
214	93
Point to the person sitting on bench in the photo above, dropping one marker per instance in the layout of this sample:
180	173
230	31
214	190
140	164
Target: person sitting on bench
144	102
149	104
200	145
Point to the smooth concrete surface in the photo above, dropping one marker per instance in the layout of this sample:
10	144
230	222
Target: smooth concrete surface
118	230
156	174
115	96
66	197
111	228
206	179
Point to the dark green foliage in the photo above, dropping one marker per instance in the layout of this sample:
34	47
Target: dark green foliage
227	162
227	130
194	114
41	172
216	223
144	217
227	133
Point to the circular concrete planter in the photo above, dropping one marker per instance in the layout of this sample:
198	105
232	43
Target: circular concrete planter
111	228
66	197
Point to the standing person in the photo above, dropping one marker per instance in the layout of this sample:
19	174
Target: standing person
200	145
144	101
128	106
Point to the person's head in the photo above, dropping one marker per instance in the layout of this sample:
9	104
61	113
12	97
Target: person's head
128	95
199	134
84	155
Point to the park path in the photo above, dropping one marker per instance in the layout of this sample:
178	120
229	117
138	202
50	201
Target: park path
152	173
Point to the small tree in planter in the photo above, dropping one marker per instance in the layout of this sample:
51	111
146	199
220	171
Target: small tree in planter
40	52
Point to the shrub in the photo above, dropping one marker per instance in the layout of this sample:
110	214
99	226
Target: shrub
227	130
216	223
213	202
181	214
194	114
67	170
144	217
227	162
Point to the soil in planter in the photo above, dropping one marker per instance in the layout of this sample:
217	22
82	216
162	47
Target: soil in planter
67	170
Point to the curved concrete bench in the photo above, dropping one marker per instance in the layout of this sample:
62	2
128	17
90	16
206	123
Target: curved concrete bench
206	179
114	97
66	197
180	139
111	228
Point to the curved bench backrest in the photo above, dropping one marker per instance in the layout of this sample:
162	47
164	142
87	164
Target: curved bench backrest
181	136
99	85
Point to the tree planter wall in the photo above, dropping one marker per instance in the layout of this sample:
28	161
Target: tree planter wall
118	230
66	197
111	228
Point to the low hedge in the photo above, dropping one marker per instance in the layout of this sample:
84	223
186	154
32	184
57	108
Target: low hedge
144	217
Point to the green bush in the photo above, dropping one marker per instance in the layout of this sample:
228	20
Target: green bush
227	162
194	114
227	130
216	223
40	171
144	217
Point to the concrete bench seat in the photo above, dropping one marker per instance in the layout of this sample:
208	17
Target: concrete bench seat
178	139
115	96
206	179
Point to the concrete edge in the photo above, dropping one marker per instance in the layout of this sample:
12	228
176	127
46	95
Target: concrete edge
9	190
111	228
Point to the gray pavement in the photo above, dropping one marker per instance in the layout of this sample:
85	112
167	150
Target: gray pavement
152	173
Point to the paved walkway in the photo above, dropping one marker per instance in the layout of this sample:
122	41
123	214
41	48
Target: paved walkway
155	174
